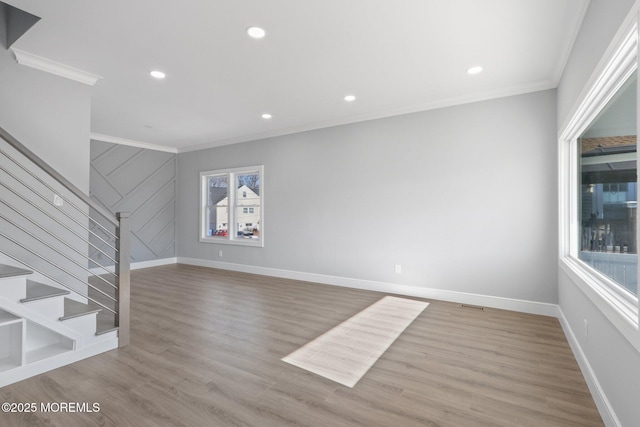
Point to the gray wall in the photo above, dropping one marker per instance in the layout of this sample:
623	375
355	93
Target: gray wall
141	182
463	197
600	25
614	361
48	114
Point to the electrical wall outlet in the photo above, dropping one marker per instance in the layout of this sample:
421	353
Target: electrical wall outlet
586	330
398	269
57	200
220	253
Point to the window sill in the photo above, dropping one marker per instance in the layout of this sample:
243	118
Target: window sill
256	243
621	311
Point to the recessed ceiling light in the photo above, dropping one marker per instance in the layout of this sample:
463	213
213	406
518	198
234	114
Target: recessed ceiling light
158	74
474	70
350	98
266	116
256	32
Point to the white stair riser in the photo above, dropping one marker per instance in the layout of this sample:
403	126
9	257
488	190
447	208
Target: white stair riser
85	325
12	336
38	337
52	308
13	288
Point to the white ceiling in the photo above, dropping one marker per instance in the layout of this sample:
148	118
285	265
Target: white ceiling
395	56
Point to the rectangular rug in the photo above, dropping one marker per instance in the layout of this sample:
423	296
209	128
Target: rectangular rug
345	353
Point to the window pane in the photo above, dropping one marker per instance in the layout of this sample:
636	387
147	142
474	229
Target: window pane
231	206
608	191
248	185
217	211
248	205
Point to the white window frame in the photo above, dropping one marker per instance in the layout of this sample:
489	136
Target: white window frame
619	306
232	194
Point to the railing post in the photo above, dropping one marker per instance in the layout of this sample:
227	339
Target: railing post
123	245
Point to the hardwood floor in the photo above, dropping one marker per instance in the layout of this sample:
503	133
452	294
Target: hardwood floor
206	348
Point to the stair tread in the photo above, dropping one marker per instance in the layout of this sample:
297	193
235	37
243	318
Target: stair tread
10	271
38	291
74	308
105	322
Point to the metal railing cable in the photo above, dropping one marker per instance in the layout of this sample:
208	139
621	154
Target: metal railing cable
35	232
58	251
57	176
67	200
37	193
69	229
48	276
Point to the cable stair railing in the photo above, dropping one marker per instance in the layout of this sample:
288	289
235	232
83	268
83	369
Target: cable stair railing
51	227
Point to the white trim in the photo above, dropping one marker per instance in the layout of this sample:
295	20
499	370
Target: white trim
613	71
153	263
622	320
618	40
570	45
137	265
52	67
461	100
532	307
32	369
131	143
600	398
232	203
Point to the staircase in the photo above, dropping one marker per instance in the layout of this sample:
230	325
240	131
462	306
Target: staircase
64	269
42	327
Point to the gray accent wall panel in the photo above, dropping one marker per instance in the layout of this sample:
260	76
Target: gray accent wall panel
143	183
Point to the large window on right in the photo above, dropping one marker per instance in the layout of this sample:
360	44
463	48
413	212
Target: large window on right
598	191
608	196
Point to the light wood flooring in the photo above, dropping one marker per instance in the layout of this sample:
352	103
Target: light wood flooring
206	348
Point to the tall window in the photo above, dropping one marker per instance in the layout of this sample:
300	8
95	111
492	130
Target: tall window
608	197
598	189
231	210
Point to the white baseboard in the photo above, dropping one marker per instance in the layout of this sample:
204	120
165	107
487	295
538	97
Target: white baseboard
523	306
153	263
604	407
48	364
136	265
600	398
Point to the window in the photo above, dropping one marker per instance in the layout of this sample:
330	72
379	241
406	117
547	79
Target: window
232	197
599	189
608	196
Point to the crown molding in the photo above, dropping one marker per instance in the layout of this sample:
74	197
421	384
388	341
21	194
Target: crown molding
131	143
570	44
381	114
52	67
